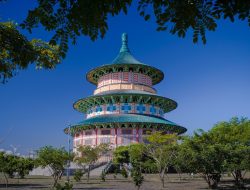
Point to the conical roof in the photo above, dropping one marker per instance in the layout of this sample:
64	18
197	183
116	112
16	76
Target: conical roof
125	56
125	61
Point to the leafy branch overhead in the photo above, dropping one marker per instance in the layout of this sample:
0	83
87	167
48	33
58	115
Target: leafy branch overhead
70	19
198	15
17	52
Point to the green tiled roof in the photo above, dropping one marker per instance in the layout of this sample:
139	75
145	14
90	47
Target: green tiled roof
125	55
127	121
125	61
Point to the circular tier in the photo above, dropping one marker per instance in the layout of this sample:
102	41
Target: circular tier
85	104
126	121
155	74
125	62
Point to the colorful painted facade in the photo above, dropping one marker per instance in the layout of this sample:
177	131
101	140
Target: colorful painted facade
124	106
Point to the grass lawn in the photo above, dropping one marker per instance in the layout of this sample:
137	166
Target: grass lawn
151	182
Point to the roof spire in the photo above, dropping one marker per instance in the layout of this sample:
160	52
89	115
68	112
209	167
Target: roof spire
124	47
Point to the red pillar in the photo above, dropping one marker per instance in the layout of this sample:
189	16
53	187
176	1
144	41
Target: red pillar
137	134
115	137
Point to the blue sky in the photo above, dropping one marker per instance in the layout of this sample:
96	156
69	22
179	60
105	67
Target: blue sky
210	82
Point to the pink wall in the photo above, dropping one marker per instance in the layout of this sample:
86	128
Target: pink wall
124	77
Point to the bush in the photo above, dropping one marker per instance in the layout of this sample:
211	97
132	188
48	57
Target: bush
66	186
124	172
137	177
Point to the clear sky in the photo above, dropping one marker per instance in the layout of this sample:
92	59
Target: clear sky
210	82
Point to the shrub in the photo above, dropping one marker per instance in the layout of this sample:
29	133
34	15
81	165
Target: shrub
124	172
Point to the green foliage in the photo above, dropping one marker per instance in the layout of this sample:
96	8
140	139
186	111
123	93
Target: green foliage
162	149
66	186
148	166
78	175
17	52
225	148
124	173
88	155
55	158
202	155
70	19
137	177
10	164
155	156
181	15
121	155
235	137
24	166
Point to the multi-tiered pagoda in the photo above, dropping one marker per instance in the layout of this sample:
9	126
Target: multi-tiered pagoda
124	106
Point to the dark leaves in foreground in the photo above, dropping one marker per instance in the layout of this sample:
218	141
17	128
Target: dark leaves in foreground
17	52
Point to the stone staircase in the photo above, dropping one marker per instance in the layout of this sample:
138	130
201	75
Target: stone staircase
97	171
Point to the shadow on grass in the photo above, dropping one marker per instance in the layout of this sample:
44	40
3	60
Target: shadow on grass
21	186
178	182
229	185
94	188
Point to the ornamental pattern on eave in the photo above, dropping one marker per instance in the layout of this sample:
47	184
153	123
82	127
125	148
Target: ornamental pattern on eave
166	104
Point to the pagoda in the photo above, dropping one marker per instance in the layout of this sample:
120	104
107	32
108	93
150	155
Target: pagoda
124	106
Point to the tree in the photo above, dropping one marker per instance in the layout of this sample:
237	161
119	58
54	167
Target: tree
161	149
17	52
24	166
121	155
4	166
137	177
88	155
10	164
70	19
202	155
137	153
55	159
133	155
235	136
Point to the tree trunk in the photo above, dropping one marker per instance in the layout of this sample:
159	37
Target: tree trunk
60	176
212	180
162	174
55	180
205	176
179	173
88	173
239	182
6	180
